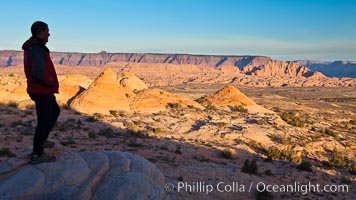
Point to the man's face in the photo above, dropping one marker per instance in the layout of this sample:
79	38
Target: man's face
44	35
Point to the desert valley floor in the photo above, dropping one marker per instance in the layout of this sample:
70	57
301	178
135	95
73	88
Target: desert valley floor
295	135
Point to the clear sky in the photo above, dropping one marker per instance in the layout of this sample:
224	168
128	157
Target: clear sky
281	29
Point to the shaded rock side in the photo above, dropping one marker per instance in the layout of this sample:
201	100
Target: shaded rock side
84	175
71	86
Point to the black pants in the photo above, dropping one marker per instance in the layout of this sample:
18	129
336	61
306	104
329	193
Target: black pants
47	111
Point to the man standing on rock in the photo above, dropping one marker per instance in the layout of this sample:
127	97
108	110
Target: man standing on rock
42	83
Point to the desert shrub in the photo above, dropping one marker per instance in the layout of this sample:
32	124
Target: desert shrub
253	144
305	166
98	116
122	114
138	133
174	105
273	153
352	169
210	106
221	125
226	153
338	160
130	125
65	106
241	108
200	100
12	75
91	135
315	137
108	132
91	119
68	142
297	160
275	137
209	144
329	132
138	122
157	130
262	122
17	123
250	167
287	153
13	104
178	151
291	119
6	152
61	127
268	172
114	113
190	106
352	121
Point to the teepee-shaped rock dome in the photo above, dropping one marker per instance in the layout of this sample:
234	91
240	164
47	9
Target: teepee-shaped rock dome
130	81
228	96
103	95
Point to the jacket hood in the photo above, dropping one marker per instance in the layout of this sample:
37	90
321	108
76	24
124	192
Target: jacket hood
33	41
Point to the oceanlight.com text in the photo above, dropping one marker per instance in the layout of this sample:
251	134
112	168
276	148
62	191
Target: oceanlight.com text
236	187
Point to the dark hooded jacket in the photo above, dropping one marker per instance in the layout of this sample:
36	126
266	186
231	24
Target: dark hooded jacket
39	69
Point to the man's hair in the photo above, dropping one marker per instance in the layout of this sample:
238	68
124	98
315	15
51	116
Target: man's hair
37	27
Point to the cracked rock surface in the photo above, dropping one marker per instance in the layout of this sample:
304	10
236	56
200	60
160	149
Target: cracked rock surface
83	175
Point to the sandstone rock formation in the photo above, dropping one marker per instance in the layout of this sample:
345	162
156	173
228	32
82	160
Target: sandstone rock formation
231	97
278	69
125	93
228	96
103	95
83	175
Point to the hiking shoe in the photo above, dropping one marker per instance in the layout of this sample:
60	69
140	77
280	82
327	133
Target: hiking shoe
35	159
48	144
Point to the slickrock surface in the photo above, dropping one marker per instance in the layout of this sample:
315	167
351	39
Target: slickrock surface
83	175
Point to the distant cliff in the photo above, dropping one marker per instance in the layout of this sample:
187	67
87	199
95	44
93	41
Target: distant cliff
331	69
257	65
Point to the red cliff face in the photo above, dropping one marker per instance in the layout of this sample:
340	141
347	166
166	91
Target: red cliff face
278	69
